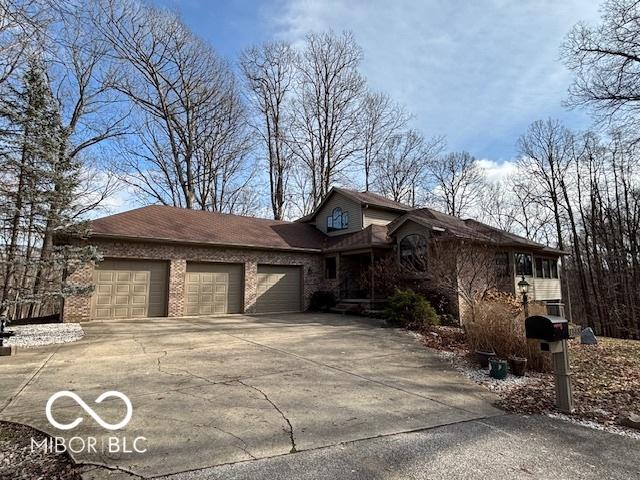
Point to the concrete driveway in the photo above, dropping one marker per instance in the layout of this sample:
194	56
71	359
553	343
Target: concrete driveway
214	391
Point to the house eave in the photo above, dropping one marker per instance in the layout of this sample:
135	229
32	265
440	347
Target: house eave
357	247
173	241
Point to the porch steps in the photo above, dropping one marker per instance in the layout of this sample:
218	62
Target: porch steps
359	306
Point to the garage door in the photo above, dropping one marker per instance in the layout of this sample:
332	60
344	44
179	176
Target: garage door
129	289
213	289
279	289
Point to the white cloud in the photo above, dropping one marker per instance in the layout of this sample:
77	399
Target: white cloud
497	171
478	72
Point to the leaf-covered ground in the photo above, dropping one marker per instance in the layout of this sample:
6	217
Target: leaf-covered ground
19	462
606	378
605	381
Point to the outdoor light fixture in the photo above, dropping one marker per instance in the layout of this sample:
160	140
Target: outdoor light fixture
523	285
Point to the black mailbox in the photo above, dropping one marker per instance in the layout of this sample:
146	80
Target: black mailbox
547	328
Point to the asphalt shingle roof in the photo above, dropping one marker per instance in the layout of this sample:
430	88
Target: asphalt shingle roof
373	199
174	224
372	236
179	225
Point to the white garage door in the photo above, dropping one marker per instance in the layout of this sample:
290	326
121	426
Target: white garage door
129	289
279	289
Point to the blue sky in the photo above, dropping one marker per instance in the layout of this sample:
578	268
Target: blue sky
477	72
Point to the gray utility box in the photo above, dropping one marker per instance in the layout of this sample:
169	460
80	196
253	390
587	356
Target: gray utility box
552	334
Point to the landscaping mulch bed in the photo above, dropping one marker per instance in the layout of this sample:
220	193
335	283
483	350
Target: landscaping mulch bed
606	378
18	462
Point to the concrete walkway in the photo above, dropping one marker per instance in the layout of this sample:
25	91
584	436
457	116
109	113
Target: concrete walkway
214	391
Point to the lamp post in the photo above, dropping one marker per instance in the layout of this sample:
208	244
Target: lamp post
523	286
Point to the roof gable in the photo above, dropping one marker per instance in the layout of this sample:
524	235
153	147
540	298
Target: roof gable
467	229
362	198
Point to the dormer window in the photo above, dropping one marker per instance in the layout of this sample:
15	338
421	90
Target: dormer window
338	220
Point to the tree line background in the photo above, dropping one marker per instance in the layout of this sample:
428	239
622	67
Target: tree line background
106	95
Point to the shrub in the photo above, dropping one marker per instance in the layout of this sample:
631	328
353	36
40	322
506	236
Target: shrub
322	300
409	309
499	325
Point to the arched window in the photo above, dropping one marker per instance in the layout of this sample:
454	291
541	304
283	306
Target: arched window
413	252
338	220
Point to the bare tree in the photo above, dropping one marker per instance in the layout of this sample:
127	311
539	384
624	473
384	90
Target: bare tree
22	25
269	71
531	215
606	61
381	119
325	135
544	157
400	162
190	117
43	193
497	206
455	181
464	269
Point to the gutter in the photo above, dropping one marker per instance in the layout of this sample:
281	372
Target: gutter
196	243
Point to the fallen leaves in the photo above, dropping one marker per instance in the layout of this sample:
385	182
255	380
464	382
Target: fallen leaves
18	461
605	380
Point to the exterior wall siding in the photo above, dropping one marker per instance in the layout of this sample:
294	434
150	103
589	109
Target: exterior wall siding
546	289
347	205
410	228
376	216
78	308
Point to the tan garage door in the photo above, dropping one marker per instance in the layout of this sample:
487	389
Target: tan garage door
213	289
279	289
129	289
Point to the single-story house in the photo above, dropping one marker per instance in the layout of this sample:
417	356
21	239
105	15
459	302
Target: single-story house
166	261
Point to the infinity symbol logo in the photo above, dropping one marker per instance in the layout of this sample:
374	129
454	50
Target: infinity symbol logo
89	410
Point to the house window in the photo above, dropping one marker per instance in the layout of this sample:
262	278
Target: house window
330	268
502	265
553	263
546	267
413	252
338	220
524	264
539	267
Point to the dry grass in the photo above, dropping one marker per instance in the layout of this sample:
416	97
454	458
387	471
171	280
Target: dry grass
499	326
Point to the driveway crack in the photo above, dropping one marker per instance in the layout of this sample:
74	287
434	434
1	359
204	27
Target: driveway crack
185	373
289	430
244	447
142	347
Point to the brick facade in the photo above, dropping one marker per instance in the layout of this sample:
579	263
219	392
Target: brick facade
177	272
78	308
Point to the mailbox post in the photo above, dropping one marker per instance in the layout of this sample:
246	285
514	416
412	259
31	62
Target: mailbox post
552	334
